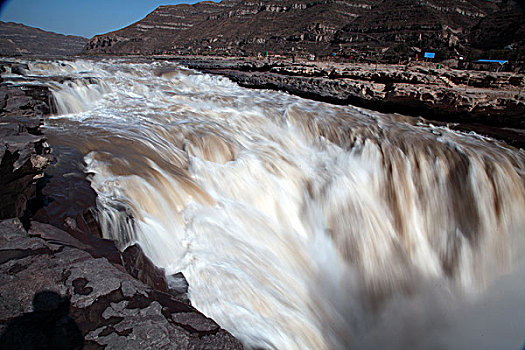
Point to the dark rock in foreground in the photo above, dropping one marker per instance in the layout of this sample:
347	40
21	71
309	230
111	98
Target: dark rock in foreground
142	268
112	309
22	163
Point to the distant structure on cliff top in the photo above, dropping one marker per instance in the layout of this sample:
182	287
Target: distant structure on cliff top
365	29
20	40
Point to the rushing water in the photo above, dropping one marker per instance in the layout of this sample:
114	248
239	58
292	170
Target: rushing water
298	224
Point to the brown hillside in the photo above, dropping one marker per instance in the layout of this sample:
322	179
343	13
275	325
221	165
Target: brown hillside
370	28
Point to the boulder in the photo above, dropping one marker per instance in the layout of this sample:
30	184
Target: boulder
140	266
29	100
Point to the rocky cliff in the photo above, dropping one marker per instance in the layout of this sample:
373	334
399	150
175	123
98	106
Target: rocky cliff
23	152
18	39
368	29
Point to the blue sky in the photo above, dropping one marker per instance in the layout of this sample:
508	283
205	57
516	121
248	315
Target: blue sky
80	17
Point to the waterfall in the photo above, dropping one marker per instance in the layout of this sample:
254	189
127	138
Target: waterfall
78	95
298	224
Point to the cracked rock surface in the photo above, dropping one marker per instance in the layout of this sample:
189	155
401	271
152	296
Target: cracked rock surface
112	309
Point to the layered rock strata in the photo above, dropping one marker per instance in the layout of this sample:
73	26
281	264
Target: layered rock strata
373	30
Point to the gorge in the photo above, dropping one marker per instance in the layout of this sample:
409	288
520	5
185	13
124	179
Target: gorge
297	224
268	175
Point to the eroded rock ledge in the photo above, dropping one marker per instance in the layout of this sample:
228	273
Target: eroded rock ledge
23	150
418	89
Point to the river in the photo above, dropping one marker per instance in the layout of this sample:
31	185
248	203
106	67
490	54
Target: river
299	224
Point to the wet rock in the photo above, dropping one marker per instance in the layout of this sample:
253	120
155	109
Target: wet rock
178	286
66	199
87	222
19	68
140	266
25	124
111	308
23	159
29	100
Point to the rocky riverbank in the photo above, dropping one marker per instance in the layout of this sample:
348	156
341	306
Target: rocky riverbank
117	299
24	153
491	103
111	308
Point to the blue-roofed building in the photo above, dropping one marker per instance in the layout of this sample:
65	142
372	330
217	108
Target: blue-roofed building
502	62
490	64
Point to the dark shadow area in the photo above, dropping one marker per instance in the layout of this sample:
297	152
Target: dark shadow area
39	201
49	326
64	194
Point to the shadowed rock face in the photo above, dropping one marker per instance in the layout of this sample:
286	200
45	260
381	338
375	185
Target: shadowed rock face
23	153
48	327
17	39
22	163
302	27
110	307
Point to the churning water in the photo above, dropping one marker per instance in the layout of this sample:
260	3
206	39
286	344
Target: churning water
298	224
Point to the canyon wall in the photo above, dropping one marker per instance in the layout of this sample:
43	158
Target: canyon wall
368	29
